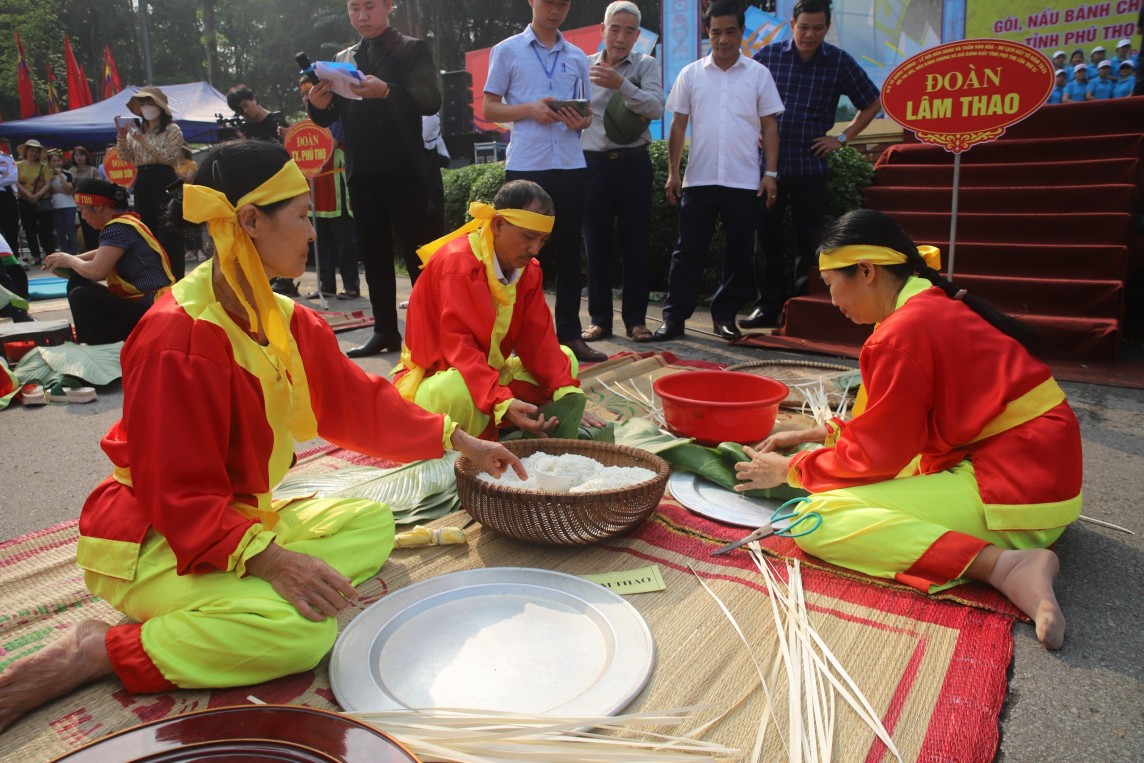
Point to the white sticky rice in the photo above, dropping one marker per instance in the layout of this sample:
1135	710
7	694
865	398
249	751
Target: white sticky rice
588	475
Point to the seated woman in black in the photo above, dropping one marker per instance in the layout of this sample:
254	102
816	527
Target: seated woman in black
128	257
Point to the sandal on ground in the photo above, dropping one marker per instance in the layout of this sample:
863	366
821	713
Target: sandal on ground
70	390
32	393
594	333
639	334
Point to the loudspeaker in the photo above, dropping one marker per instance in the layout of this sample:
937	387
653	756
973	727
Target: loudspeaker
457	108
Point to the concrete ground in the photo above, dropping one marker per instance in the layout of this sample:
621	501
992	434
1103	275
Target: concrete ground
1083	703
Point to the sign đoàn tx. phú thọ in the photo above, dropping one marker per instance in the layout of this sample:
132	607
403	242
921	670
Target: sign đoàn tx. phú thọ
967	92
310	146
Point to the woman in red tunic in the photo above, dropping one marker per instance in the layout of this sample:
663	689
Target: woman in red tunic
964	460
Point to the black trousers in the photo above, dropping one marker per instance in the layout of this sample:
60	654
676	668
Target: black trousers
337	252
618	187
807	198
151	198
10	220
562	252
99	316
698	210
382	206
39	230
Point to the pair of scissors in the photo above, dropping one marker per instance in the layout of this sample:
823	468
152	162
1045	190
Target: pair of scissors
787	520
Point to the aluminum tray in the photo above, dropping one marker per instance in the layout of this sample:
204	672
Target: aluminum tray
722	505
510	639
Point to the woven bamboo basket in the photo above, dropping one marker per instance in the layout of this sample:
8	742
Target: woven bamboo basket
564	519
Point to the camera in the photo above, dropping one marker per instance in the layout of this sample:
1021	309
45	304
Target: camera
229	127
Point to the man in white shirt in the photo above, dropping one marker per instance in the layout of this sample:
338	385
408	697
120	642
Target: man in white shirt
727	99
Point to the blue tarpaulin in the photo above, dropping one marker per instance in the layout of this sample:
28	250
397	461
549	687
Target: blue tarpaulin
193	105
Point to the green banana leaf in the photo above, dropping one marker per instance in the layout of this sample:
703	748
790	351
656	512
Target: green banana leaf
416	491
568	409
713	464
96	364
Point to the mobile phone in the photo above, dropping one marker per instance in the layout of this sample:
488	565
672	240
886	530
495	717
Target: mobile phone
119	121
580	104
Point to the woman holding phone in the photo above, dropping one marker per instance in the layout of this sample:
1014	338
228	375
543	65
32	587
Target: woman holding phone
153	144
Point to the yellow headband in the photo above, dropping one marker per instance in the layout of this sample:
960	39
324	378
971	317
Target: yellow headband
845	256
483	213
236	252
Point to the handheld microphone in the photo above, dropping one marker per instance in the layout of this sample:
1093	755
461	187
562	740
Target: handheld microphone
306	67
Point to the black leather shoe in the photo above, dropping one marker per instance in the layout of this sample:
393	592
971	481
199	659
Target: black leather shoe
584	353
727	331
375	345
667	332
760	320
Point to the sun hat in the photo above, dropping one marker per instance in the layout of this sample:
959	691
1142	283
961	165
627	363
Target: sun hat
1129	64
1058	53
1080	68
1124	44
1098	49
30	143
155	94
1104	65
1060	72
621	124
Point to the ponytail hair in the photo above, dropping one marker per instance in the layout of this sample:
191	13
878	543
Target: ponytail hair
868	226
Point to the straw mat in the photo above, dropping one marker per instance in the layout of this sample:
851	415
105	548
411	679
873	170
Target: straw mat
934	671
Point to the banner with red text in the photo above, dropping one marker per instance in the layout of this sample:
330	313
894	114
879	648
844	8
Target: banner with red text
1053	26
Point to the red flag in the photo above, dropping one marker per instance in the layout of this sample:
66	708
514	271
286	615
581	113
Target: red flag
53	99
28	107
79	94
111	83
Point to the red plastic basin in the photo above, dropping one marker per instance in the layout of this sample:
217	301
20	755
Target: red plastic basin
720	406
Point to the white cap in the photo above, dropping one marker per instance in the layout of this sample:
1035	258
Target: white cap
1060	72
1129	64
1080	68
1098	49
1124	44
1104	65
1058	53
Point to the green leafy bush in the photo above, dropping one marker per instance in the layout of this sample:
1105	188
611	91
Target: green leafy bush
850	173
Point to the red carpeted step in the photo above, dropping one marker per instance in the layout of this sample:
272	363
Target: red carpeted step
814	319
1032	228
1116	116
1021	151
1095	171
993	199
1095	261
1023	295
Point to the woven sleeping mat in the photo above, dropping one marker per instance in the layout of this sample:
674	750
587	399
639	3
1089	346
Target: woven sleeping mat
934	670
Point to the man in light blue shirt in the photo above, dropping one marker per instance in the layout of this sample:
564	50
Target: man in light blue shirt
527	72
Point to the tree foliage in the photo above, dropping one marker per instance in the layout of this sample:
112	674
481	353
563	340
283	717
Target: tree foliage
254	41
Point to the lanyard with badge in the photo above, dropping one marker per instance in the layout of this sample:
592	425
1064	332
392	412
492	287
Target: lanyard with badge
550	72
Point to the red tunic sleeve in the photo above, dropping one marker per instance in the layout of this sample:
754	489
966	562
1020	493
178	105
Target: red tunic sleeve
536	344
179	409
878	444
357	410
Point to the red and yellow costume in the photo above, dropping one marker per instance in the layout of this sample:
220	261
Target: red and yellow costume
965	440
210	417
462	329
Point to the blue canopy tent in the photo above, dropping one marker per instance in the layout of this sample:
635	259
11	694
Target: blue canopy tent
193	105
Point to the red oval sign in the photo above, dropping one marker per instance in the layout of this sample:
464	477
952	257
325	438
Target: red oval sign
310	146
117	170
967	92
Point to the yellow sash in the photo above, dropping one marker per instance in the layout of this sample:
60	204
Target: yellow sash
124	289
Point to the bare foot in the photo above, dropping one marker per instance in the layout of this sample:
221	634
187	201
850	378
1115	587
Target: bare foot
1026	577
58	669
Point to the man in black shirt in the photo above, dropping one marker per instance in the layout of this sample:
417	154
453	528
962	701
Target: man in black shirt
261	124
384	154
